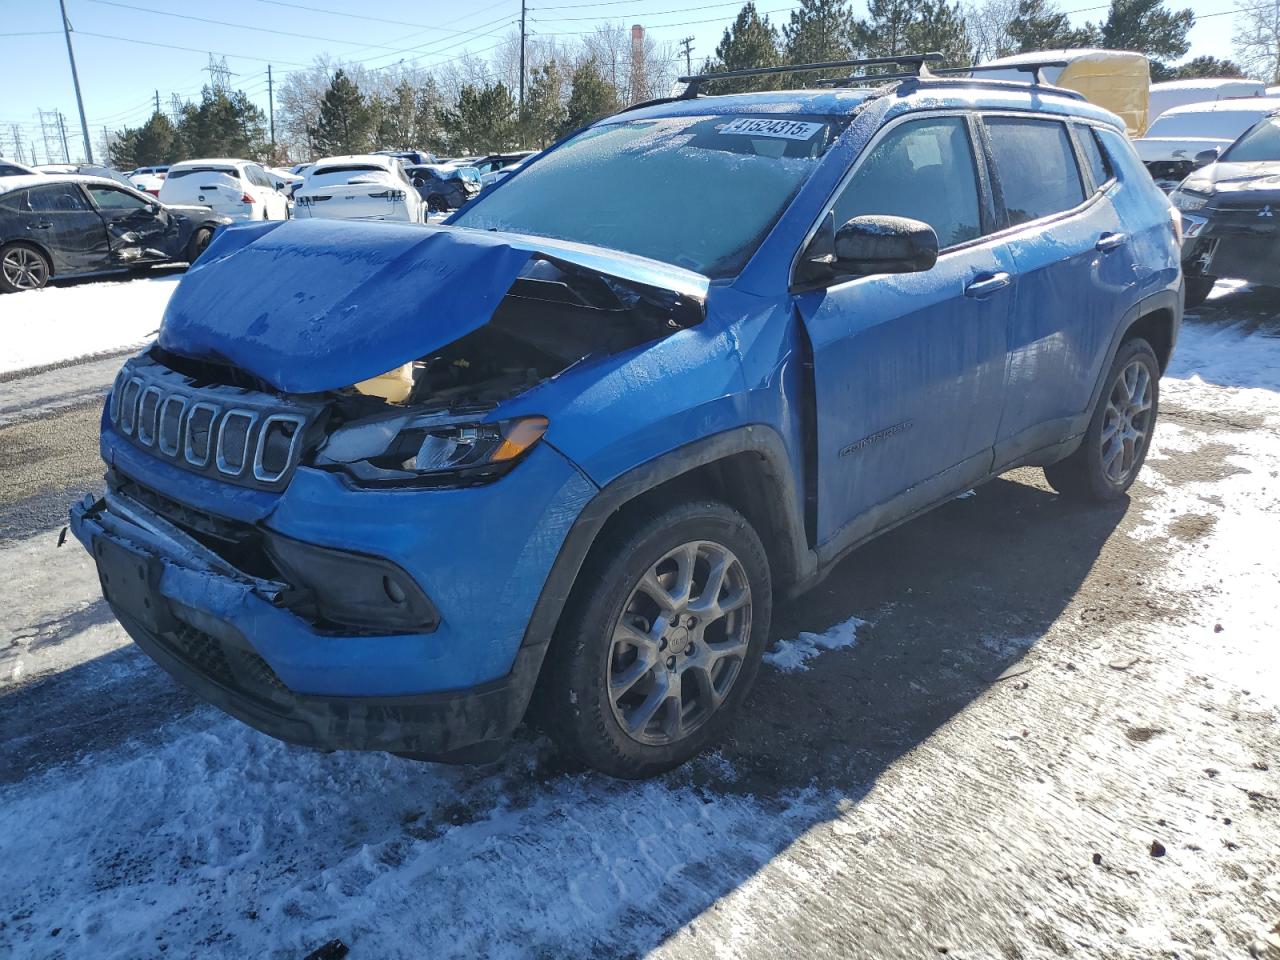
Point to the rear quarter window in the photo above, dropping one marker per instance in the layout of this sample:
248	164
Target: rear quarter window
1097	161
1035	167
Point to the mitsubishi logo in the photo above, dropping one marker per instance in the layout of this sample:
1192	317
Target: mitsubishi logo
1266	211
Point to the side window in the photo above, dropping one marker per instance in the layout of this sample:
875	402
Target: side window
64	198
15	200
923	170
1098	163
109	198
1036	167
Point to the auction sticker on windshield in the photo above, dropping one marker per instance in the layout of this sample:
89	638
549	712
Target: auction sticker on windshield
756	127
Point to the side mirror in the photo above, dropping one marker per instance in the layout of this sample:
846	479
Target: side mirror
279	184
867	245
1205	157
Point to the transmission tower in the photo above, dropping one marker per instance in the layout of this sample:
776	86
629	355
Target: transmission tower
48	128
176	103
219	74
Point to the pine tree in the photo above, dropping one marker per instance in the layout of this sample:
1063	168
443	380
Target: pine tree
590	98
1207	67
937	25
752	41
819	30
1148	27
223	124
544	107
346	123
396	118
1041	26
483	119
886	31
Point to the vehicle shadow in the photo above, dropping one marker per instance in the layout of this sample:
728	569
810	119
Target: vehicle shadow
952	602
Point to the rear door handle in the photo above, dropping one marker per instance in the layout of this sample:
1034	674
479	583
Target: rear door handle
42	225
985	287
1110	241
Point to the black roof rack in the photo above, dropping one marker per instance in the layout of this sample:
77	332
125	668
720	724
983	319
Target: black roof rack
1032	67
916	60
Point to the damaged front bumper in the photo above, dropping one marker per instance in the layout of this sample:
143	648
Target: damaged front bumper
194	614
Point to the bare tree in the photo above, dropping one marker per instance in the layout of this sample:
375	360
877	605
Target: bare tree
1256	39
987	24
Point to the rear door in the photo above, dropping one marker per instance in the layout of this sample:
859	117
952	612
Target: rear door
1074	273
61	219
909	369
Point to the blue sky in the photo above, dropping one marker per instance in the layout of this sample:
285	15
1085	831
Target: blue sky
119	78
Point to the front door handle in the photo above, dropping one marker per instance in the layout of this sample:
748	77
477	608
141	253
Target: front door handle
988	285
42	225
1110	241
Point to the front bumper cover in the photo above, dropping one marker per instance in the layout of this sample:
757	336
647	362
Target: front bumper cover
170	593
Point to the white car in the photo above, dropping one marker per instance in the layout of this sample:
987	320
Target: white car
11	168
366	187
239	189
1173	143
148	179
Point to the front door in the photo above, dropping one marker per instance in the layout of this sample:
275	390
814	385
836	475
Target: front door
137	227
909	369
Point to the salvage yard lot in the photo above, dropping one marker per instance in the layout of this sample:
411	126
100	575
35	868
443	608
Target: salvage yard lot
1055	734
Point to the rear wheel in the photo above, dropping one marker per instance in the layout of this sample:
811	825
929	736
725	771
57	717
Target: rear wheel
1119	433
23	267
1198	289
436	204
661	642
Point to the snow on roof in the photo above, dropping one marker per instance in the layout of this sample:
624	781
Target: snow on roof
44	179
226	161
372	159
1205	83
1082	53
1258	105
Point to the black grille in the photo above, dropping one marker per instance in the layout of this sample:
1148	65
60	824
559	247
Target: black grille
228	664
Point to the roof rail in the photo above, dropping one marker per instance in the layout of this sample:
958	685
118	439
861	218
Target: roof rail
916	60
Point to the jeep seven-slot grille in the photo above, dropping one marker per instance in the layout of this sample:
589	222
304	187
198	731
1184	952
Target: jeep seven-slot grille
232	433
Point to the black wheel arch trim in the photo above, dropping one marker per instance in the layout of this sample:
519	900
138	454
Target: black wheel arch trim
790	556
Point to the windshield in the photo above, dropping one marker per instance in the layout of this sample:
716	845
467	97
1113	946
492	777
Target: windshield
1262	142
1220	124
698	192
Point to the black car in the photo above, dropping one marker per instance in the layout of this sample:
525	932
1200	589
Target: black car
1231	214
444	188
55	226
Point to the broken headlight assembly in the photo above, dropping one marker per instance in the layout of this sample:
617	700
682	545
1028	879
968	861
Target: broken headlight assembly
429	450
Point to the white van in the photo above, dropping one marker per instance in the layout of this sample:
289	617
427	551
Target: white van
234	188
1179	93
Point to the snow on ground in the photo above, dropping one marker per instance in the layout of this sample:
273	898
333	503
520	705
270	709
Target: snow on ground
792	655
1235	356
60	323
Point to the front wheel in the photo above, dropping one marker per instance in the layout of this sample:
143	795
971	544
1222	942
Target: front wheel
660	642
199	241
23	267
436	204
1119	433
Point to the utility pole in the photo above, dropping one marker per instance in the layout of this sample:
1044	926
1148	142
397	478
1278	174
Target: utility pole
271	106
75	78
106	146
62	129
687	43
157	101
522	39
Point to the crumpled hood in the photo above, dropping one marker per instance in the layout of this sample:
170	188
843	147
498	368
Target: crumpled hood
316	305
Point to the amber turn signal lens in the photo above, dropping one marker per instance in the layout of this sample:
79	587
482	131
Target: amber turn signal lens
523	434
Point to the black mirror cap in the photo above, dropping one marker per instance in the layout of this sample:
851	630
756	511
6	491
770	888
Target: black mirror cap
1205	157
879	243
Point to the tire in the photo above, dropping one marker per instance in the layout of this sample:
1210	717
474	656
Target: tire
1126	414
613	616
436	204
1197	290
197	244
23	267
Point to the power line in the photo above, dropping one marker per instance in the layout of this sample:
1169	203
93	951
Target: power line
173	46
399	23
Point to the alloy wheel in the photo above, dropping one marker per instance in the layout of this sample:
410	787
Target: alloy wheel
1126	422
24	269
679	645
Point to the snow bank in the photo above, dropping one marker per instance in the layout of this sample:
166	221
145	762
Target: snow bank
792	655
1243	360
56	324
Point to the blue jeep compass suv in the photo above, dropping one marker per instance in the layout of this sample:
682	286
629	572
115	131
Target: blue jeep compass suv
392	487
